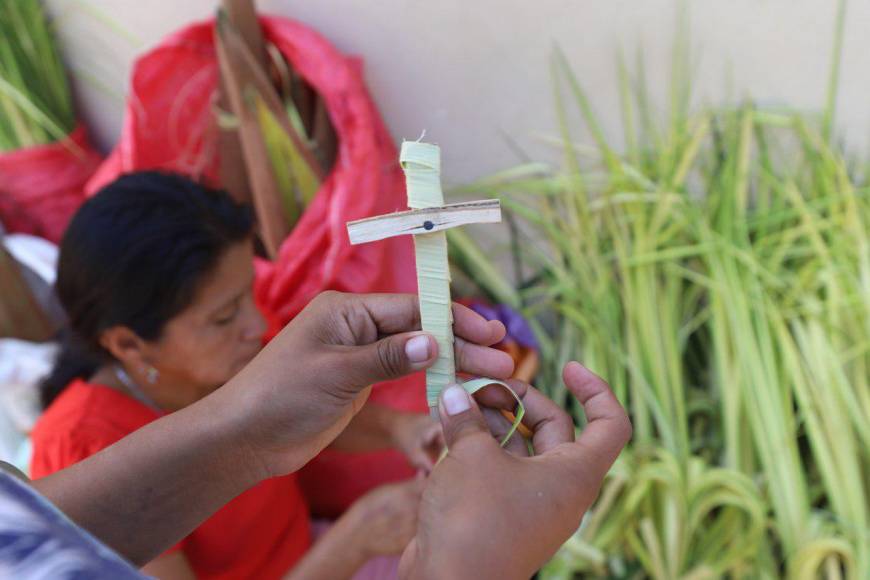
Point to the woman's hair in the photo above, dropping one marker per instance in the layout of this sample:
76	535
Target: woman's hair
134	255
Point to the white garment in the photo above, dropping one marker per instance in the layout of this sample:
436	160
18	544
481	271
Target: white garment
22	365
38	261
36	253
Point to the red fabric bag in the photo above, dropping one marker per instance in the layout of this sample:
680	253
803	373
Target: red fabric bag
169	125
42	186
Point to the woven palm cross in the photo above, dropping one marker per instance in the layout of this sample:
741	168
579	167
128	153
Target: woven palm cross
427	221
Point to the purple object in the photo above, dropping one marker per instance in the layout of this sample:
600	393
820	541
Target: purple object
517	327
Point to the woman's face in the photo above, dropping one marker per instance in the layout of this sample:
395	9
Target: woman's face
212	339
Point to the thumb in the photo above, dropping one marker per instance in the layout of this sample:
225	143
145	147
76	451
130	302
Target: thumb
421	459
408	562
392	357
461	418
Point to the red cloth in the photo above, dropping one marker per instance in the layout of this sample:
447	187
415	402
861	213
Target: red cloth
260	534
41	187
169	124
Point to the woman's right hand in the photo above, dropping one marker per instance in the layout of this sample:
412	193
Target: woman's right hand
386	517
493	512
381	523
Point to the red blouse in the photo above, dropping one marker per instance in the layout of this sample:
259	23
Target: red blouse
260	534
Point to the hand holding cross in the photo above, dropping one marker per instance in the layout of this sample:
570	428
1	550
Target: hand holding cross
426	221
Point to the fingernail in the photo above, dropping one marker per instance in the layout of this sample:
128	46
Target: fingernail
417	349
455	400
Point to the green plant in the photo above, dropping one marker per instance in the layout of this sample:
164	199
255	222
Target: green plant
717	273
35	100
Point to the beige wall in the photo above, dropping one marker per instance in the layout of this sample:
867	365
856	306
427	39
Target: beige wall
469	71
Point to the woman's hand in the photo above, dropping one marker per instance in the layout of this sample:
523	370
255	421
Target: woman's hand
382	522
420	438
304	387
488	512
386	517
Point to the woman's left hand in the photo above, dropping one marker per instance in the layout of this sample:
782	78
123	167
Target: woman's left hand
420	439
306	385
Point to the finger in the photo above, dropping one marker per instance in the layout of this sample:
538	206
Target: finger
391	313
549	423
411	488
421	460
395	313
475	359
608	428
388	358
428	449
497	397
419	484
475	328
461	419
408	561
499	426
436	446
434	436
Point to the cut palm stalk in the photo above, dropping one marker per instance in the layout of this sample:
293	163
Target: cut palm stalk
306	110
303	98
251	74
242	15
324	141
296	181
237	77
233	171
20	314
246	82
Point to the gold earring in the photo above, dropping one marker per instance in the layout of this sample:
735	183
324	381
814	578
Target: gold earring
151	375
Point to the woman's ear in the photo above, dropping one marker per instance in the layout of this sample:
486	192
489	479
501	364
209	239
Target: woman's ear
125	346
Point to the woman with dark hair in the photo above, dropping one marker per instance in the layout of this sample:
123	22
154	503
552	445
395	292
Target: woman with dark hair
156	275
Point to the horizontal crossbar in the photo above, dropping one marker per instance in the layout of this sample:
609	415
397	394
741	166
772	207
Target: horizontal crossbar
424	221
